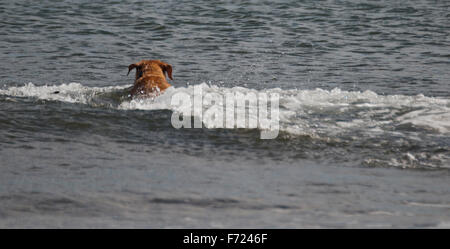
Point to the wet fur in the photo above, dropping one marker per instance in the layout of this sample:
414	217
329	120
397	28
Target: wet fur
150	77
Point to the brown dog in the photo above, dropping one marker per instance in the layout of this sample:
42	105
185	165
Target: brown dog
150	76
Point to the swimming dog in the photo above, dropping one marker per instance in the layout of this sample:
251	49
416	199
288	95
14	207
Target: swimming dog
150	77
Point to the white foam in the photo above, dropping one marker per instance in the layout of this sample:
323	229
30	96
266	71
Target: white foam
72	92
303	112
437	119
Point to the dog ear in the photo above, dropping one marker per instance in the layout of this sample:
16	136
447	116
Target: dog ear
131	67
167	68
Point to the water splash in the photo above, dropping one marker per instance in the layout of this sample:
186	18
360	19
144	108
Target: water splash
387	130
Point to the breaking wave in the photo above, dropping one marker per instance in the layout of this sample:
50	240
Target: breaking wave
301	111
367	119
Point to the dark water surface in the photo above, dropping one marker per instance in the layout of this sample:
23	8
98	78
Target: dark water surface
364	114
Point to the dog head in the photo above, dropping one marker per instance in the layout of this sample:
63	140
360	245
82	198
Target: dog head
151	67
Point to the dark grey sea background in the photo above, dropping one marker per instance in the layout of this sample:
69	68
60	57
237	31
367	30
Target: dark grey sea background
364	115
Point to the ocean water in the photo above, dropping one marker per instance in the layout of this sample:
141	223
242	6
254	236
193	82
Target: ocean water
364	104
